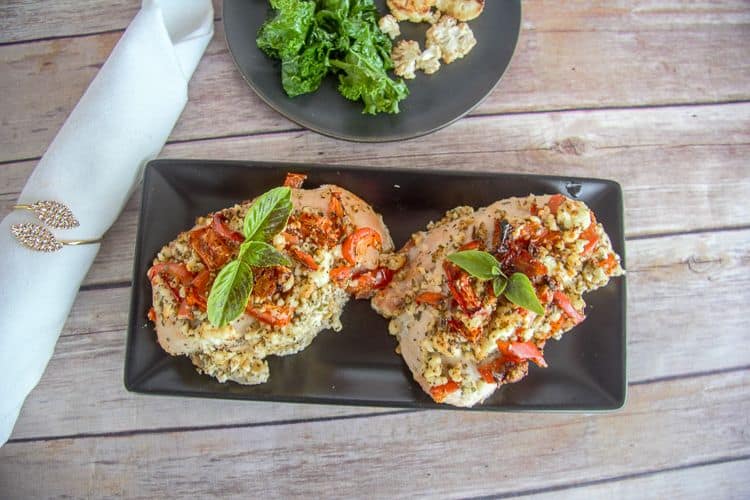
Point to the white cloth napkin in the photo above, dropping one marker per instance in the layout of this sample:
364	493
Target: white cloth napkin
123	120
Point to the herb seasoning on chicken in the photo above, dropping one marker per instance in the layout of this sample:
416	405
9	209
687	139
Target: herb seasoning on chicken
331	246
460	328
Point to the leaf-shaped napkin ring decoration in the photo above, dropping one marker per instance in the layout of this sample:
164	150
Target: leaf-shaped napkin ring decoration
41	239
51	213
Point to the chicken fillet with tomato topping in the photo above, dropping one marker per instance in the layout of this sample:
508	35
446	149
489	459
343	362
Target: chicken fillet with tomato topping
334	241
461	341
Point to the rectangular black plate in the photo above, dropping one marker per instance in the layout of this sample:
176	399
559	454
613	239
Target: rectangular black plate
358	365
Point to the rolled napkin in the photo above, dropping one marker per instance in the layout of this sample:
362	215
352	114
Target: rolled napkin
123	120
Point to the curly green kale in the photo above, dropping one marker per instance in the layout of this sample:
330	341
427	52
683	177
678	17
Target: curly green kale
313	38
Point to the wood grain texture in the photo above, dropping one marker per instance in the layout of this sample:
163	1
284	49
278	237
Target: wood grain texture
681	168
651	93
33	19
557	66
725	480
666	278
450	454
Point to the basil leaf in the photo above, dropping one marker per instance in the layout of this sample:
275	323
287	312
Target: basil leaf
268	215
475	262
521	292
260	254
230	292
499	284
497	272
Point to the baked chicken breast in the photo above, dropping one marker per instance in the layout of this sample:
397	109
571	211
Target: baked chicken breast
334	240
461	341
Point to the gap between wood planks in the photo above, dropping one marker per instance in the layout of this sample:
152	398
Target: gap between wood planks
276	423
613	479
518	493
76	35
473	116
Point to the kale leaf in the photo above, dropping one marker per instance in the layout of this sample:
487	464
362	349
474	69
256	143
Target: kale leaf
315	37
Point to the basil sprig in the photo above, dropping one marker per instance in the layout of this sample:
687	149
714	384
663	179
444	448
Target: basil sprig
484	266
231	290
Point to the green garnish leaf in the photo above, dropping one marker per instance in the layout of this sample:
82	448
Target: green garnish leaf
499	284
521	292
268	215
484	266
231	290
261	254
479	264
230	293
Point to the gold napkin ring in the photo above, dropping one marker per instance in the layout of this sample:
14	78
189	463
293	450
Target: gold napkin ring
41	239
51	213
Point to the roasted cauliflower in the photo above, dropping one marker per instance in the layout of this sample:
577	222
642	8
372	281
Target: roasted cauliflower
416	11
454	39
389	26
461	10
429	60
405	55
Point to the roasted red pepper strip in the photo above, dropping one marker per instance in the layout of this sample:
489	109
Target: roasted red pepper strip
520	351
555	201
440	392
363	285
364	236
219	225
304	258
294	180
609	264
213	250
528	265
563	302
335	208
460	287
459	327
432	298
590	235
341	273
196	294
177	270
270	314
472	245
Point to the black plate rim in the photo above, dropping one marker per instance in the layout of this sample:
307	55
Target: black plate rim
134	385
370	139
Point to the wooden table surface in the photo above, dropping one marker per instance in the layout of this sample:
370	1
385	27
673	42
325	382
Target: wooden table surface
654	94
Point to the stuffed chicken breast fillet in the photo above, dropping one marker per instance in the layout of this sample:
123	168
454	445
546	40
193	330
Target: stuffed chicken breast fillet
459	340
334	240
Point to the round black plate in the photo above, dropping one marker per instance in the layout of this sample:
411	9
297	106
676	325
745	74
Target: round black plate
434	101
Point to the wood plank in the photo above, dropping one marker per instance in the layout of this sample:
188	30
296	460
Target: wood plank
27	20
588	67
726	480
668	277
406	455
682	169
31	19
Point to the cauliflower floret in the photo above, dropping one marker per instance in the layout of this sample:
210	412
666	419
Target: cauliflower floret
461	10
455	40
389	26
429	60
405	55
416	11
